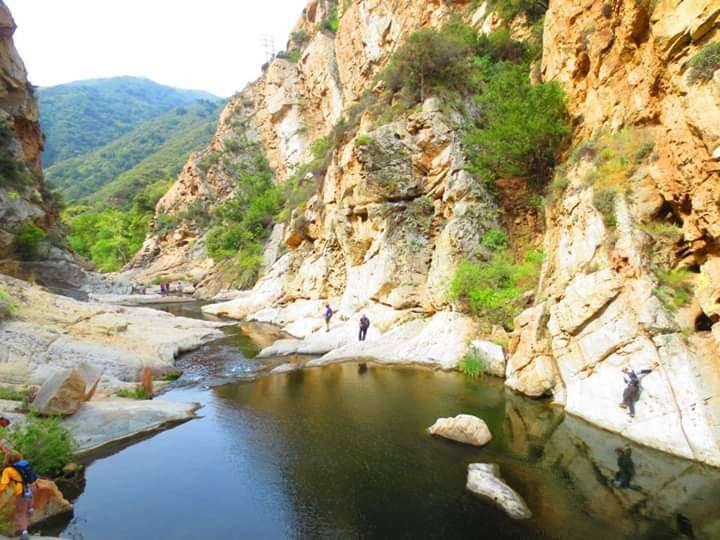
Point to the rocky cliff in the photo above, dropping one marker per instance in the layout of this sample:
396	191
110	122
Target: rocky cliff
631	275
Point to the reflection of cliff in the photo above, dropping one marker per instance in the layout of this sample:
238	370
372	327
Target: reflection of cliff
355	460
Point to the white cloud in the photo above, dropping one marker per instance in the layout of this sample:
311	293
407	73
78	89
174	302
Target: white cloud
212	45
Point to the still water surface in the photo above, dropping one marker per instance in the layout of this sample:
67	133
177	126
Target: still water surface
341	452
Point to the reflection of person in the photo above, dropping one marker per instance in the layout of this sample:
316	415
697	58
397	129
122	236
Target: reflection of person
626	467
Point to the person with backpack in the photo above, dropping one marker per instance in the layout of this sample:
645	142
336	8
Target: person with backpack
18	474
328	316
364	325
631	394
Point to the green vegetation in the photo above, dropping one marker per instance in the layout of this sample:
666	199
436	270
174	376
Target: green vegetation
82	116
133	393
331	22
7	306
675	288
473	365
663	230
110	237
604	201
493	290
495	239
13	173
704	64
45	442
522	126
292	56
154	150
509	9
11	394
241	223
299	38
28	241
171	376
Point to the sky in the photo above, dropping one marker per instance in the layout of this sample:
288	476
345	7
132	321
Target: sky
212	45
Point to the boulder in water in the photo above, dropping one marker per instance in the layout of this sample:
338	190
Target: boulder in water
61	394
485	480
463	428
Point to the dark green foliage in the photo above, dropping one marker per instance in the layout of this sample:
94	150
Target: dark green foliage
645	150
299	38
165	223
493	290
509	9
292	56
431	59
242	223
499	46
45	442
154	150
11	394
604	201
521	129
133	393
28	240
495	239
473	366
676	287
13	173
79	117
331	22
171	376
704	64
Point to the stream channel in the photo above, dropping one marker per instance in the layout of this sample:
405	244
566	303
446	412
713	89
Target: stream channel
342	452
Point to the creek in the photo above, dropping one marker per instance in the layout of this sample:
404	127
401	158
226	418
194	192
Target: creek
341	452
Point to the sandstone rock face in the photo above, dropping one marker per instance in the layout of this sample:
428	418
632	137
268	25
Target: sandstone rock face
50	333
485	480
48	502
22	143
61	394
463	428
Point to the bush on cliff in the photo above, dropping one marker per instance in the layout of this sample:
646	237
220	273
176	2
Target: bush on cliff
521	126
28	240
704	64
45	442
509	9
493	290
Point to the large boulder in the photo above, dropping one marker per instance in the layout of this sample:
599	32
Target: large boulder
48	502
464	428
61	394
91	375
484	479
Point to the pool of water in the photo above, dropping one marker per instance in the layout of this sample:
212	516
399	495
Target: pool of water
342	452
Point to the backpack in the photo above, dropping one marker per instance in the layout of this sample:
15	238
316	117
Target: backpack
26	472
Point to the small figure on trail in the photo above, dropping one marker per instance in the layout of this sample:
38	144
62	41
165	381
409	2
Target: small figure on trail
179	288
626	467
364	325
328	315
19	475
632	389
162	288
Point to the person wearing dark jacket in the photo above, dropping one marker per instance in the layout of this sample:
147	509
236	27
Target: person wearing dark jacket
364	325
632	388
328	315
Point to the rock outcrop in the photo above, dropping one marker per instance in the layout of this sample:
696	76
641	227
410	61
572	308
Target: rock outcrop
61	394
484	479
464	428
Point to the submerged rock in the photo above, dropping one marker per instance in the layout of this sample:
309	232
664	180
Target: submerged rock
61	394
485	480
464	428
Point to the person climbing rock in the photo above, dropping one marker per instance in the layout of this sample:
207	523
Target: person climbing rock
626	467
631	394
18	474
328	316
364	325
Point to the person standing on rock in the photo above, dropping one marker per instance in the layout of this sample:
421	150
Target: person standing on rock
632	388
18	474
328	316
364	325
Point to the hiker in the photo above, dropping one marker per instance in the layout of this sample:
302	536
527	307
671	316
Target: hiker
18	474
364	325
179	288
328	316
632	389
162	288
626	467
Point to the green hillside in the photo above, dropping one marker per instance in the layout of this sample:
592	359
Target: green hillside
81	116
155	150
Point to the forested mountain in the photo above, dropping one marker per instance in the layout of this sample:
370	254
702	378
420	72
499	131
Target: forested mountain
154	150
81	116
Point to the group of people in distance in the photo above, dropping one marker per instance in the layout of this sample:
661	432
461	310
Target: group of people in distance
364	322
165	288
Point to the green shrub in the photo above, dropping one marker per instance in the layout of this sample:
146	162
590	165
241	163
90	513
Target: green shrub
133	393
28	240
7	310
13	173
165	223
299	38
493	290
499	46
662	229
522	127
331	22
473	366
604	201
45	442
11	394
292	56
509	9
645	150
364	140
495	239
704	64
171	376
676	287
